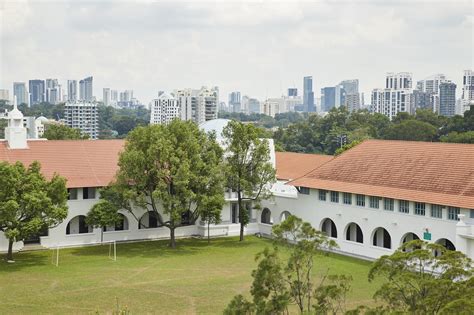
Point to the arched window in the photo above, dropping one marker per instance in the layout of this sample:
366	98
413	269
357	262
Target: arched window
284	215
266	216
409	237
149	220
381	238
354	233
446	243
186	218
78	225
329	228
121	225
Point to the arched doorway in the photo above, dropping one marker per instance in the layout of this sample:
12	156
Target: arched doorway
149	220
354	233
284	215
329	228
266	216
381	238
409	237
446	243
77	225
121	225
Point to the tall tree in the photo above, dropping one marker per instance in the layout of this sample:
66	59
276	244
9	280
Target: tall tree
103	213
175	168
248	168
29	203
424	278
63	132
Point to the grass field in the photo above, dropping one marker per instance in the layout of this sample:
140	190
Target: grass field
149	278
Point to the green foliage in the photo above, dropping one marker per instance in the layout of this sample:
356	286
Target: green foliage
278	283
459	137
239	306
424	278
28	202
412	130
347	147
63	132
119	122
248	168
103	213
175	168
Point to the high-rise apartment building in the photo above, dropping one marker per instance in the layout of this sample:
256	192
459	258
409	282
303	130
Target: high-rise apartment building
198	105
86	89
250	105
84	116
467	97
447	99
37	93
396	97
52	91
71	90
308	95
422	100
332	97
4	95
20	92
430	86
126	96
352	96
235	102
292	92
272	106
106	96
164	109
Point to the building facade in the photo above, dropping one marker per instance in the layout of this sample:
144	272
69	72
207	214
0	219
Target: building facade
308	95
235	102
164	109
397	96
37	93
198	105
71	90
20	92
4	95
447	99
86	92
332	97
467	97
83	116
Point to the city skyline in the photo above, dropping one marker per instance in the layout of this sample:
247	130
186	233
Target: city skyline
137	46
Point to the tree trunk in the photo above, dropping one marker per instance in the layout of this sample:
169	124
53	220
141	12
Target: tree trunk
172	238
208	235
241	215
10	250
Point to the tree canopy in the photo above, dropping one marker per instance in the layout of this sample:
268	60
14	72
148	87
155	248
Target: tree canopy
29	203
63	132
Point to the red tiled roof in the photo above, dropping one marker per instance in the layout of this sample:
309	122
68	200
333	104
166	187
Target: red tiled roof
84	163
438	173
290	165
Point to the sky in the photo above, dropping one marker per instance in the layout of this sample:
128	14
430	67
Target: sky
259	48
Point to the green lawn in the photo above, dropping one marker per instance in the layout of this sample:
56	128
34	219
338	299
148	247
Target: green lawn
149	278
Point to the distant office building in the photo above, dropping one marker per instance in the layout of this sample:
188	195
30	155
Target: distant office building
126	96
254	106
4	95
235	102
52	91
350	86
19	90
430	86
396	97
447	99
84	116
292	92
106	96
308	95
72	90
422	100
352	102
352	96
86	89
332	97
467	97
291	104
37	93
164	109
272	106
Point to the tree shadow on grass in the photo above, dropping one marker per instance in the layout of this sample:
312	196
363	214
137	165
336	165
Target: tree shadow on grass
24	260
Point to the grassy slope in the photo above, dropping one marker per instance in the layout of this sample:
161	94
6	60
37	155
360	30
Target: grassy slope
149	278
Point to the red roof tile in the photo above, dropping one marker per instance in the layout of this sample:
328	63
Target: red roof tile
290	165
438	173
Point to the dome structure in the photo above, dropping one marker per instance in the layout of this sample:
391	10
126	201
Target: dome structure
216	125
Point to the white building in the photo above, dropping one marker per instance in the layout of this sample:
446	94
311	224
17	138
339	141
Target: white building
431	85
86	92
84	116
164	109
370	199
4	95
71	90
272	106
396	97
198	105
467	97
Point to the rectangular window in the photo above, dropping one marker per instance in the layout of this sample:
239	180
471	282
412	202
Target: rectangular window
471	213
335	196
304	190
88	193
360	200
420	208
453	213
404	206
72	194
436	211
322	194
388	204
374	202
347	198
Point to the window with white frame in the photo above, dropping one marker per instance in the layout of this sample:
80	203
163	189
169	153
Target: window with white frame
453	213
72	194
471	213
388	204
304	190
404	206
335	196
374	202
420	208
437	211
88	193
360	200
347	198
322	194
